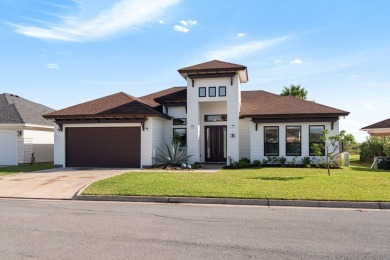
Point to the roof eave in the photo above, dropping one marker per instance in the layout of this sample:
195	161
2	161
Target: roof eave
83	116
296	115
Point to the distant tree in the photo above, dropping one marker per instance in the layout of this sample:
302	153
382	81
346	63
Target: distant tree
294	91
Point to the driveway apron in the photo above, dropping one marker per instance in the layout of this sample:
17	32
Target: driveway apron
58	183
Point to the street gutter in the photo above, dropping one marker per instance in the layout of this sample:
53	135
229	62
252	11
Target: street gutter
232	201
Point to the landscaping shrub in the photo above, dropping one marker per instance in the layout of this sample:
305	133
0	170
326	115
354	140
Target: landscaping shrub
273	160
173	155
306	161
294	161
337	162
282	161
256	163
196	165
386	149
374	146
244	162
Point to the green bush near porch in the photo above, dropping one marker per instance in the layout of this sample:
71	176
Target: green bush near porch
356	183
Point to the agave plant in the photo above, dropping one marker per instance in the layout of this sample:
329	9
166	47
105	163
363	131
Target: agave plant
174	154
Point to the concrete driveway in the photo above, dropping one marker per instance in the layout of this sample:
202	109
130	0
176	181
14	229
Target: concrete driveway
58	183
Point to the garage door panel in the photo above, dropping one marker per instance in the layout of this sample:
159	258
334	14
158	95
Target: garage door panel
103	147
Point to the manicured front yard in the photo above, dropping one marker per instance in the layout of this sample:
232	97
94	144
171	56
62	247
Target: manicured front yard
356	183
24	168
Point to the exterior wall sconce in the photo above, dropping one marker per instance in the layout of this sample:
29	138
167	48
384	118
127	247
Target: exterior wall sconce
232	135
192	126
233	126
19	133
146	129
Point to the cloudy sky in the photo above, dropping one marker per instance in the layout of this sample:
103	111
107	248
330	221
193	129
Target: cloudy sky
63	52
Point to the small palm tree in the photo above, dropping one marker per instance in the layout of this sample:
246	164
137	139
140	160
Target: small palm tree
294	91
173	155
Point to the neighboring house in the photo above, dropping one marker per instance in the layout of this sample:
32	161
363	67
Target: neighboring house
381	128
23	131
211	115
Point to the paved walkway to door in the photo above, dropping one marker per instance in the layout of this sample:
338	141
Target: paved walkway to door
58	183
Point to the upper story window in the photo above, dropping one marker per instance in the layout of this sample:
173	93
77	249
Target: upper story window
202	91
179	121
222	91
271	141
315	133
215	118
293	140
212	91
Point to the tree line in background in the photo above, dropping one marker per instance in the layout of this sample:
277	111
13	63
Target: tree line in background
374	146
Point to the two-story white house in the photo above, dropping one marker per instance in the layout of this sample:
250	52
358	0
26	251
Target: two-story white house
211	115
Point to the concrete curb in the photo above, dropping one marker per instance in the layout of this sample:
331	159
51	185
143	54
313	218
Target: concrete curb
232	201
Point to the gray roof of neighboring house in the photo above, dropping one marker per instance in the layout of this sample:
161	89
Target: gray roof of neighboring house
17	110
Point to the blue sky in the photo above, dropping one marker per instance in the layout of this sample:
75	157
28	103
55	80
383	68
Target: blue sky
60	53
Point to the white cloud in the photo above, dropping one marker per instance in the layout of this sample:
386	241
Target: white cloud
353	127
185	24
161	21
278	61
241	34
181	29
238	51
188	22
192	22
123	15
52	66
296	61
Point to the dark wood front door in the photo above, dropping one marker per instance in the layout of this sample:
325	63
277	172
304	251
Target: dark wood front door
215	143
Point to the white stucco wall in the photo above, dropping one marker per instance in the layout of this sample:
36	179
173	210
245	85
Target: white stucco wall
42	145
257	138
245	139
158	138
195	114
175	112
59	146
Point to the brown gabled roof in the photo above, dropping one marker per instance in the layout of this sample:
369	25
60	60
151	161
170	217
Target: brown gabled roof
265	104
151	98
215	67
382	124
116	105
212	65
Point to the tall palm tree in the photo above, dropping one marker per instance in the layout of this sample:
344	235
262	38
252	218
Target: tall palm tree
294	91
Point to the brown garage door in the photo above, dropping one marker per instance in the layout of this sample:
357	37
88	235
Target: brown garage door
103	147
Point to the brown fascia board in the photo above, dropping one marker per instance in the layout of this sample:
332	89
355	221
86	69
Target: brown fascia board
48	116
294	115
210	70
197	71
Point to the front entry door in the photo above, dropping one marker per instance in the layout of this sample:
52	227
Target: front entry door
215	143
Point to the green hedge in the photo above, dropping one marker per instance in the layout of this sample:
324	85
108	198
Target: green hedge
374	146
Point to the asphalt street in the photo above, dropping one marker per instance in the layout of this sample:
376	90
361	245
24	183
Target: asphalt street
118	230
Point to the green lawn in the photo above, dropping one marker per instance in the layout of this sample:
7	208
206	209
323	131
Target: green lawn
24	168
356	183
